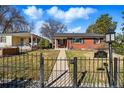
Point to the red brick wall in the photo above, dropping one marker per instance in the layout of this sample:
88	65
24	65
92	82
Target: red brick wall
88	44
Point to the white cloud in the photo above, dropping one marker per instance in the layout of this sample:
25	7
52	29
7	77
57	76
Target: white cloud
75	30
33	12
57	13
37	27
71	14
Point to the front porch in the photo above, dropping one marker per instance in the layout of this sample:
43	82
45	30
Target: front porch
25	41
62	43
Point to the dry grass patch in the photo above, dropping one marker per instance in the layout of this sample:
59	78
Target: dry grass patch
26	65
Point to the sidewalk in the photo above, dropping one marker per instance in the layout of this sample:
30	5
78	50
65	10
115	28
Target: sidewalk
60	67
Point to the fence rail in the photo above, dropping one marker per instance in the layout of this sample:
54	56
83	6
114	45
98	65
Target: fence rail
33	70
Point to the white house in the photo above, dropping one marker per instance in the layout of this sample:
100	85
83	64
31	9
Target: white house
23	40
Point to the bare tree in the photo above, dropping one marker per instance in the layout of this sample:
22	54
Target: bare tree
11	20
3	11
31	26
51	26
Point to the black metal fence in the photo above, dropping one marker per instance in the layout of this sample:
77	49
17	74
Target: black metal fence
19	71
33	70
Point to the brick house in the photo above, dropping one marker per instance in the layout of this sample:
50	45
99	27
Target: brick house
77	40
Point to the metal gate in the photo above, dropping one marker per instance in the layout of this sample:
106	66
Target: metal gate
85	72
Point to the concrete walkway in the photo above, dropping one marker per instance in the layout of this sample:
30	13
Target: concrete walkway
60	67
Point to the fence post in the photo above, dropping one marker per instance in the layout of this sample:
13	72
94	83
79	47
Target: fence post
115	72
75	73
41	71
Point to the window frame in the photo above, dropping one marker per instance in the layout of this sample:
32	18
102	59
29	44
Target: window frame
2	39
79	41
97	41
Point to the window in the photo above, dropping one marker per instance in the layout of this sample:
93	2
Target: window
3	39
78	40
97	41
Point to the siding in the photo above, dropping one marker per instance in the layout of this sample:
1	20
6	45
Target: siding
7	43
17	40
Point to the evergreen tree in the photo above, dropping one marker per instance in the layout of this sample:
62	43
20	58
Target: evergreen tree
91	29
123	20
102	25
123	27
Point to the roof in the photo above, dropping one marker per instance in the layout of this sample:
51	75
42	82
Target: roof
84	35
21	33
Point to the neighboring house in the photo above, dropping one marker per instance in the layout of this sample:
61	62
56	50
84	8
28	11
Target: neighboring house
78	40
23	40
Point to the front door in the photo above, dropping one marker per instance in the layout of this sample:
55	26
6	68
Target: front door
62	43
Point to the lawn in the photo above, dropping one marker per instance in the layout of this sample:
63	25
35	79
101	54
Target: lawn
27	65
74	53
96	74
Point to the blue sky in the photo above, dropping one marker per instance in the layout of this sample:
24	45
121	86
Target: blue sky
76	17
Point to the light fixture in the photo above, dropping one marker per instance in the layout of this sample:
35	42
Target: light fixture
110	36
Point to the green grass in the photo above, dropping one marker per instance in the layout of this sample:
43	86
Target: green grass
27	65
74	53
95	76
